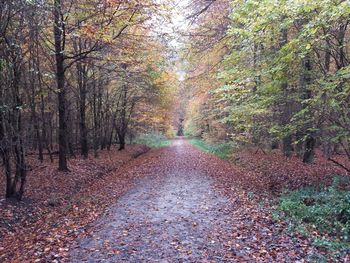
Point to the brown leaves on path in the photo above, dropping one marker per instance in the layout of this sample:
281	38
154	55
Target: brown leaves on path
175	202
191	207
57	206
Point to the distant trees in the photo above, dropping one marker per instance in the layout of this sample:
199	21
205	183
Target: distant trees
64	86
206	46
284	79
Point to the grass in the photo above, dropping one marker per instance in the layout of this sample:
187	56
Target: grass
153	140
326	212
222	150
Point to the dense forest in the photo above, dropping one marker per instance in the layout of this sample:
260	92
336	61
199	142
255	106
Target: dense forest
263	73
174	130
78	76
273	74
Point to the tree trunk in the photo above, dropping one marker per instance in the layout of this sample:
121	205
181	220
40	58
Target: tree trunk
5	155
299	144
35	122
110	140
84	148
309	146
35	81
70	138
287	146
59	51
16	183
95	120
43	121
122	125
309	152
121	138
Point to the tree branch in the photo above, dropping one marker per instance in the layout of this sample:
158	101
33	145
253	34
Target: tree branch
339	164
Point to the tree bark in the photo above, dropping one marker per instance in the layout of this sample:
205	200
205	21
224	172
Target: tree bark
60	70
122	125
84	148
310	141
95	120
309	151
4	151
121	138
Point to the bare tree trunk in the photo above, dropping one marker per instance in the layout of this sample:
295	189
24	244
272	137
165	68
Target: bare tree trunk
16	188
110	140
20	176
35	120
70	133
121	138
38	137
59	49
4	150
95	120
82	87
43	128
122	125
82	110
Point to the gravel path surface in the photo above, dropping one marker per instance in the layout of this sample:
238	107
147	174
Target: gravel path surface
175	214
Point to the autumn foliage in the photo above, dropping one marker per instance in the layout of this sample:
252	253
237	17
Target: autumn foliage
260	87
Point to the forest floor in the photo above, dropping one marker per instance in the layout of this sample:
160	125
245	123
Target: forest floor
58	205
175	204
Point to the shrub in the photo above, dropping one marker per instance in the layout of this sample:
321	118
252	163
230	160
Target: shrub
326	211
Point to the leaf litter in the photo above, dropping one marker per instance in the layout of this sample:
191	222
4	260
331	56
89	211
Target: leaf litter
175	204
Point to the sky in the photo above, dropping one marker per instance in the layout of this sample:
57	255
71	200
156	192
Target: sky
177	23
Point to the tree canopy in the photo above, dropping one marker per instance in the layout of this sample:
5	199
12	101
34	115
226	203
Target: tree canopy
77	76
271	71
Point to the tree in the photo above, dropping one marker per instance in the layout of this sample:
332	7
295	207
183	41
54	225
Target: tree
61	85
284	77
11	104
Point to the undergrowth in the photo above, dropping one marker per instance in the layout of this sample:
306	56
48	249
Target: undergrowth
222	150
153	140
322	215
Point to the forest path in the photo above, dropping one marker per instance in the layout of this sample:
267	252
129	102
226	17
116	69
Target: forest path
175	214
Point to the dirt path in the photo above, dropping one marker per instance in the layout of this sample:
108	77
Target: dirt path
174	214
